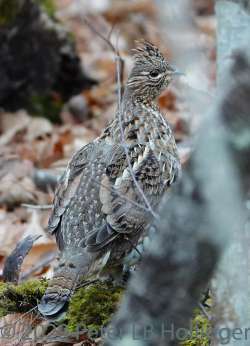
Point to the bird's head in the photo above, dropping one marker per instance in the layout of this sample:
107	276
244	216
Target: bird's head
151	72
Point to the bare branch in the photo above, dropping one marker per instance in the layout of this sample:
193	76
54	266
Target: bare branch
120	113
119	76
37	206
99	34
124	197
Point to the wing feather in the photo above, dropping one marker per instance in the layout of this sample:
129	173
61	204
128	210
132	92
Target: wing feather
119	195
66	189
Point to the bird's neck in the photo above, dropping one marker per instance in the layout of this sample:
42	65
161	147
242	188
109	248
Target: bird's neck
134	105
138	117
136	98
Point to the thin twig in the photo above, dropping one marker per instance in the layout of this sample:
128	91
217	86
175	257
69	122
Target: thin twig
87	283
120	83
109	43
133	246
23	315
50	206
37	206
120	112
206	314
98	33
119	74
111	31
124	197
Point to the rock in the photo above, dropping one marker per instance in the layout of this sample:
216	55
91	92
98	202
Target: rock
37	58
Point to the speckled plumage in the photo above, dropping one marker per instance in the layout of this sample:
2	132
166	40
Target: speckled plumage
98	213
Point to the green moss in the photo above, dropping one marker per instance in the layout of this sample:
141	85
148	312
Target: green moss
20	298
92	307
45	106
47	5
201	328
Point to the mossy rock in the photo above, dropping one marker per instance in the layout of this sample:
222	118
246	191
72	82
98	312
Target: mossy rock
92	307
10	8
20	298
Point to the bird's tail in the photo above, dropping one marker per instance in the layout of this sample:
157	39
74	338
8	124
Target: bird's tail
70	271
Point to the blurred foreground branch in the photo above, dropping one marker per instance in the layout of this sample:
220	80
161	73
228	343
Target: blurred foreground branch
231	285
197	224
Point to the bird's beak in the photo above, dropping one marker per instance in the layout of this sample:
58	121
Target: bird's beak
176	72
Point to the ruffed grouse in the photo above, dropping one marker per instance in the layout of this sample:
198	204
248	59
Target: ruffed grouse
99	213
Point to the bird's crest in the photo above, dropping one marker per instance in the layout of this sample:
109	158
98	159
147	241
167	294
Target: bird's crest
146	52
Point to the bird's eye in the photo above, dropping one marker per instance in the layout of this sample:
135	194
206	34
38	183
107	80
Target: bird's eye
154	73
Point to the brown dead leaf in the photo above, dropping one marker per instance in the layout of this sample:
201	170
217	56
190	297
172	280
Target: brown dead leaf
16	328
181	129
167	100
36	256
42	247
11	231
12	163
42	151
37	141
12	124
17	184
121	10
14	191
81	136
38	128
65	135
101	96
